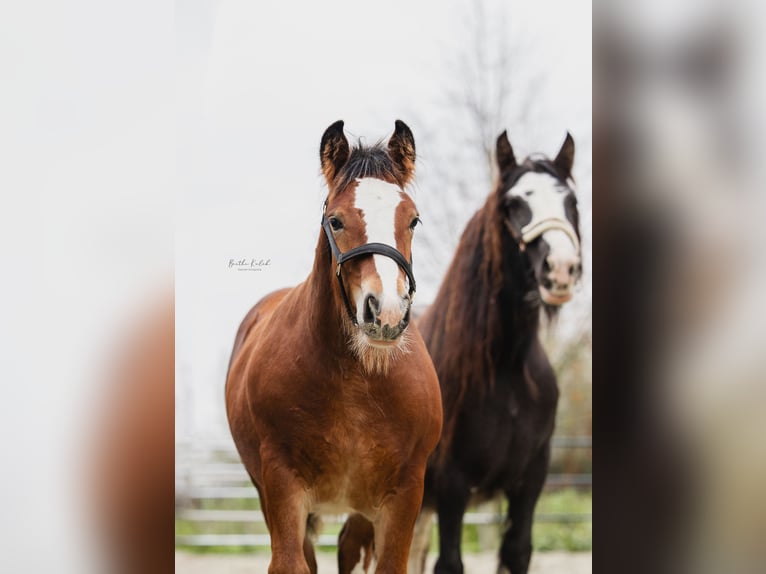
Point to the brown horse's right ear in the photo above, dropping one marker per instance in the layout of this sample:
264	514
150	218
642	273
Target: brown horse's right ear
333	151
506	160
401	149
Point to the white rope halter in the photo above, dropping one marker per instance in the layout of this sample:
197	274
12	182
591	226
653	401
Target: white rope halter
537	227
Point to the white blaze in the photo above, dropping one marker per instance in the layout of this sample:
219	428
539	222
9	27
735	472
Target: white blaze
378	201
546	201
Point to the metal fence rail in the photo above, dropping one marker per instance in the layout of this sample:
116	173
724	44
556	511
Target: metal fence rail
209	473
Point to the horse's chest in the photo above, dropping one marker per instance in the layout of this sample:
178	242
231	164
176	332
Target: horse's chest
360	439
498	436
359	466
346	443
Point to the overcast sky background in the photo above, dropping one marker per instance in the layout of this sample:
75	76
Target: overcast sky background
258	83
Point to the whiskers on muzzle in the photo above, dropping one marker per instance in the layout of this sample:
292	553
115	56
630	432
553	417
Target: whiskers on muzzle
377	359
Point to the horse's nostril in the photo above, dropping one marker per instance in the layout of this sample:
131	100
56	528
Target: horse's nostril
373	304
371	309
406	319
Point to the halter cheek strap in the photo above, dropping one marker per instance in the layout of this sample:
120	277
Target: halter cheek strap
366	249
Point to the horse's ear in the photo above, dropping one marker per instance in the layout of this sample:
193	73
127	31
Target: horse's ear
401	148
506	160
333	151
565	158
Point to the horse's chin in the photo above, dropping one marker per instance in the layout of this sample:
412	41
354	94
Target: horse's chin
382	343
554	299
377	355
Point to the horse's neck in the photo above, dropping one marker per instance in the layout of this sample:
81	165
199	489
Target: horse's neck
520	322
323	309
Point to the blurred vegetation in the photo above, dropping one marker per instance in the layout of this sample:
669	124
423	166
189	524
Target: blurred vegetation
575	536
572	359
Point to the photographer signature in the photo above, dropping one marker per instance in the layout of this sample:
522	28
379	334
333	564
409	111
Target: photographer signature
251	264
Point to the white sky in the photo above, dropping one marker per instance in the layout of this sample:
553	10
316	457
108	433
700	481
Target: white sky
257	85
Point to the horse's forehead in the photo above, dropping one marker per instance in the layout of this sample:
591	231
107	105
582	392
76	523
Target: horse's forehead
378	197
542	192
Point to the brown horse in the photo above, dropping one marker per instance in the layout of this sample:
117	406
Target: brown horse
332	399
519	256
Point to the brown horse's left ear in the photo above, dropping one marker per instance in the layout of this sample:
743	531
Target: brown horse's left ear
565	158
333	151
401	148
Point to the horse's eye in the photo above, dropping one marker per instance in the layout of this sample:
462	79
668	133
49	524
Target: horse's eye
336	224
414	223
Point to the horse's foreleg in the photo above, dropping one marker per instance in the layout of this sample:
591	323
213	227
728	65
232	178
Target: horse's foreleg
516	549
451	501
394	528
421	540
355	545
308	545
286	511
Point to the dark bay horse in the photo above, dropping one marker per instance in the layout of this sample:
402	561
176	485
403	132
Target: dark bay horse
518	256
332	399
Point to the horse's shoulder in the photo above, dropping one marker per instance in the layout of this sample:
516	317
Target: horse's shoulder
257	314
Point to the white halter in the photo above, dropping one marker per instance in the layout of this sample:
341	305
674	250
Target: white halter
543	194
538	226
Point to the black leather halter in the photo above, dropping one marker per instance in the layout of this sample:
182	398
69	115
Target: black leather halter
366	249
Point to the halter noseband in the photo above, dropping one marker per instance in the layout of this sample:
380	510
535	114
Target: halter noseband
535	229
366	249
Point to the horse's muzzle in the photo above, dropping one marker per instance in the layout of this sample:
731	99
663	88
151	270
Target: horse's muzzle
377	331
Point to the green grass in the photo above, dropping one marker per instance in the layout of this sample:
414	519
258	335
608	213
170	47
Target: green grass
546	536
574	537
577	536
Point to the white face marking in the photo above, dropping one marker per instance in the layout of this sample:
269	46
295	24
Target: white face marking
562	251
547	201
378	201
